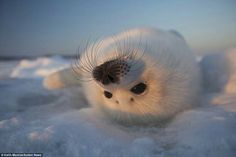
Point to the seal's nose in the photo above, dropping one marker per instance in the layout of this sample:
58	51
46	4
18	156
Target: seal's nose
111	71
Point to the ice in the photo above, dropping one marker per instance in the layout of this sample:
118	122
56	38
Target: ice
61	123
40	67
219	71
6	68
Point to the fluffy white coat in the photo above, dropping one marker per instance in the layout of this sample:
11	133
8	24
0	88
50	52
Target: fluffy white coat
160	59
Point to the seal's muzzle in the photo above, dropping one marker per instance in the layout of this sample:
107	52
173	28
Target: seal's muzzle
111	71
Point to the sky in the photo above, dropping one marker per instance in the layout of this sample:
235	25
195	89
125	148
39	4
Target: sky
39	27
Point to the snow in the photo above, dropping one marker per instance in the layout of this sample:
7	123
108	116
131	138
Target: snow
40	67
220	71
61	123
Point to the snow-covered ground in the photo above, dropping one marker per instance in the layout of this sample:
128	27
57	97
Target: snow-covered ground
60	123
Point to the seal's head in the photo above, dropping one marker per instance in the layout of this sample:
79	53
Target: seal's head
128	89
124	89
139	82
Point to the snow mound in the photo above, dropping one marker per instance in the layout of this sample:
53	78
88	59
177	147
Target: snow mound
40	67
219	71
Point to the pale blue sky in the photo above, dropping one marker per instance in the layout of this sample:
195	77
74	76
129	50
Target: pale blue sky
32	27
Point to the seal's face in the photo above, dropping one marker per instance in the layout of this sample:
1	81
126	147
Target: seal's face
121	96
129	91
110	75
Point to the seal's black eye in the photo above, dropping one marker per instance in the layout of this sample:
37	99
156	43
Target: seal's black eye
107	94
139	88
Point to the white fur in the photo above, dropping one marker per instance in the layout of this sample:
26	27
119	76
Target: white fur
169	69
163	61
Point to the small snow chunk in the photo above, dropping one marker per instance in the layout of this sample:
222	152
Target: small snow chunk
219	71
43	135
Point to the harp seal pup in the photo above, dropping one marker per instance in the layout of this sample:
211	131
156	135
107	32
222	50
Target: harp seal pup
141	76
